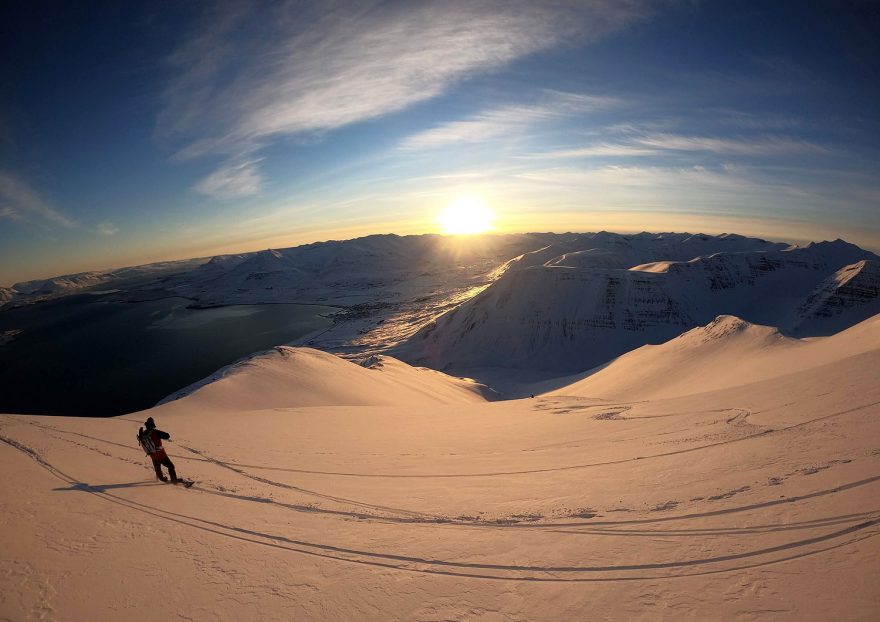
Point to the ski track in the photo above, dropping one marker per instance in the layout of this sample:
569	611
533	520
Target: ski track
415	518
474	570
734	421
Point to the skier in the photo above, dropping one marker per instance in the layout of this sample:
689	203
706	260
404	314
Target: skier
150	440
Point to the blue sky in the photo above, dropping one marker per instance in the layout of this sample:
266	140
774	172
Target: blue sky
135	132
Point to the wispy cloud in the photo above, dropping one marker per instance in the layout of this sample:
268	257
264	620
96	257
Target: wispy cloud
506	120
314	67
233	181
642	177
756	146
663	144
107	228
18	201
747	121
597	150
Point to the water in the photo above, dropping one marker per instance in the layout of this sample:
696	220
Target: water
90	356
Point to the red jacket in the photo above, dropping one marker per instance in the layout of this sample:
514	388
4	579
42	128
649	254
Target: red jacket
152	443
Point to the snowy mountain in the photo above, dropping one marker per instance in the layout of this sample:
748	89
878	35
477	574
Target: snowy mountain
725	353
145	277
387	285
562	302
573	312
852	291
730	471
613	250
376	268
388	306
294	377
6	295
328	491
61	284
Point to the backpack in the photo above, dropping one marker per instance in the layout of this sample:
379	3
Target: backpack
145	440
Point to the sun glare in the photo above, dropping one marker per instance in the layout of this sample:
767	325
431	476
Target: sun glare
467	215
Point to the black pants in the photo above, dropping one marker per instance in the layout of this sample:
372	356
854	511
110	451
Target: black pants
166	461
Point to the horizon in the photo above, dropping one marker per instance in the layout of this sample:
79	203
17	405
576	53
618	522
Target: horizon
138	134
793	242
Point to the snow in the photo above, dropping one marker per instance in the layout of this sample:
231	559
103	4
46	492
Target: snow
854	288
147	276
574	312
726	353
704	442
6	294
293	377
746	489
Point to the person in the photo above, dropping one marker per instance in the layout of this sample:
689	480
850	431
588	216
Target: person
150	439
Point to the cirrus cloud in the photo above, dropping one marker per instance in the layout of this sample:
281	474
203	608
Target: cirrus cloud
18	201
506	120
233	181
253	73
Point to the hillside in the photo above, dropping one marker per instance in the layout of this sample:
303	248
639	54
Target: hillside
855	287
728	352
752	501
569	315
6	295
294	377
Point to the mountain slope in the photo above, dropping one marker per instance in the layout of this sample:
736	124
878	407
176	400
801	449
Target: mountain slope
294	377
728	352
754	501
6	295
568	316
852	291
368	269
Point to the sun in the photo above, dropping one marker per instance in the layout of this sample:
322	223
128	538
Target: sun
465	215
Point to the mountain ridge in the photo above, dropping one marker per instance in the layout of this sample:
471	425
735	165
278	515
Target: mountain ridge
568	314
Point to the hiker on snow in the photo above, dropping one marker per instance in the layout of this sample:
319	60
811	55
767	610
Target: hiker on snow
150	439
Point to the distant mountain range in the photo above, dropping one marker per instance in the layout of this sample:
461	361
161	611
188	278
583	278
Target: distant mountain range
592	297
536	301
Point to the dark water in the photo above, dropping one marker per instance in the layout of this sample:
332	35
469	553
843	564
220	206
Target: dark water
82	355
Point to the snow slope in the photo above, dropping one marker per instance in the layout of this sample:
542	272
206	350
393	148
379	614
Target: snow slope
614	250
854	289
727	352
292	377
151	277
568	315
61	283
755	500
390	287
363	270
6	295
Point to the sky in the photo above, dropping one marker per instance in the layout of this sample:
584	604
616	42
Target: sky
133	132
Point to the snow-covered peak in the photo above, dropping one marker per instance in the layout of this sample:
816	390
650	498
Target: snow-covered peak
726	328
615	250
727	352
573	312
288	377
854	290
